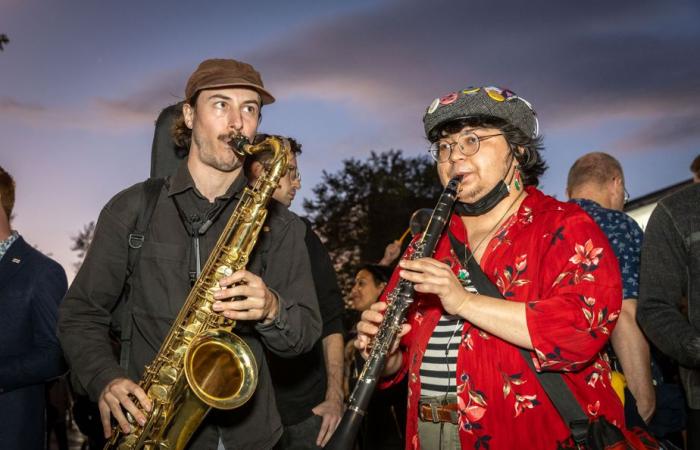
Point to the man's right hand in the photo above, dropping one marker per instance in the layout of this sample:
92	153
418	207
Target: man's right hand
367	329
114	397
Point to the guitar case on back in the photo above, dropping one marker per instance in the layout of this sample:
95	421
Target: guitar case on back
165	155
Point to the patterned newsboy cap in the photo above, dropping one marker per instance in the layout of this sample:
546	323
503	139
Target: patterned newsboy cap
488	101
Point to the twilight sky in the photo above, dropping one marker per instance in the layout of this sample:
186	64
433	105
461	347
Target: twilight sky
81	83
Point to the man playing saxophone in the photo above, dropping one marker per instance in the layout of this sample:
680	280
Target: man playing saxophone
275	305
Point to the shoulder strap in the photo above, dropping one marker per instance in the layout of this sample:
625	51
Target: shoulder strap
552	383
151	192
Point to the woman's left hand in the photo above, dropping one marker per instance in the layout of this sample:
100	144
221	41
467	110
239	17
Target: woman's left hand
434	277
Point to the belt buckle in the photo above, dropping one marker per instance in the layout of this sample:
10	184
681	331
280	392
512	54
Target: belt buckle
433	410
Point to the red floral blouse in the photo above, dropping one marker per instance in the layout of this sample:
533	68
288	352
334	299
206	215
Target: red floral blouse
553	257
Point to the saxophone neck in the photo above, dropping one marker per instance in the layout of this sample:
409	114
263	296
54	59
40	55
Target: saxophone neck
272	148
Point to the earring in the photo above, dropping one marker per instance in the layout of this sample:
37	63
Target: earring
518	180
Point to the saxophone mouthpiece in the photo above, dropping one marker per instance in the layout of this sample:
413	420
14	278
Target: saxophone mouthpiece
239	143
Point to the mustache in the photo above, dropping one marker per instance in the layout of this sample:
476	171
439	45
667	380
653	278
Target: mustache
228	137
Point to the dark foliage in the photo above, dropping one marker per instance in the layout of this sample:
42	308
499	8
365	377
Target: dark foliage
367	204
81	243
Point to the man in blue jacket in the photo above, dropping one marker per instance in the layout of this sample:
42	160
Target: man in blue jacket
31	287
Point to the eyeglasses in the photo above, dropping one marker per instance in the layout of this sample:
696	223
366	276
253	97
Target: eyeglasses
294	173
468	144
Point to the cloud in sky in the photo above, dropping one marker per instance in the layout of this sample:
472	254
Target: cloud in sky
103	115
134	110
83	83
575	65
662	131
572	63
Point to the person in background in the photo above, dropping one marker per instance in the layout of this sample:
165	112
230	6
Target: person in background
308	388
383	425
31	288
370	281
596	183
695	168
670	276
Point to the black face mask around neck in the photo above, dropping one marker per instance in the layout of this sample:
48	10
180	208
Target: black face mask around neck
485	203
488	201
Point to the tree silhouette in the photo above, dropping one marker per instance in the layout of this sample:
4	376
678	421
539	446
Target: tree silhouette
367	204
82	242
3	40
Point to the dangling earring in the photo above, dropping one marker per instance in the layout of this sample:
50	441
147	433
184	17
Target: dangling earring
518	179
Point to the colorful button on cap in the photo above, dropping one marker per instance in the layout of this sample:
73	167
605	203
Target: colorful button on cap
508	94
495	94
450	98
434	106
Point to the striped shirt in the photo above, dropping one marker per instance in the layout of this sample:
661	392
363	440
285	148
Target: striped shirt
437	371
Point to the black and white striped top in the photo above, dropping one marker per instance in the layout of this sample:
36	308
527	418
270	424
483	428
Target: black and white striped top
437	371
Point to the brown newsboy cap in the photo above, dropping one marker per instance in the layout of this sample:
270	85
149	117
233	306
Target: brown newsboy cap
217	73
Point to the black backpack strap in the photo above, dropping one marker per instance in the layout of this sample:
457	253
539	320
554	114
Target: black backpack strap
553	383
151	192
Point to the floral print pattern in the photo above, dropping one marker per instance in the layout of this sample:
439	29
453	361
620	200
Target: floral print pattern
625	237
554	259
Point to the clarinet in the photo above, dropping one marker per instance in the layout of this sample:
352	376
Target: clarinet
400	298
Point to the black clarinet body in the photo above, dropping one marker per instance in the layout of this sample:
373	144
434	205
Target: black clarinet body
400	300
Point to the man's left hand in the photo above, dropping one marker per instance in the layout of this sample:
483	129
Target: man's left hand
256	302
331	412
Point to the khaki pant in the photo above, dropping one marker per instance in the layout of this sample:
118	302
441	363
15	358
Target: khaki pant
438	436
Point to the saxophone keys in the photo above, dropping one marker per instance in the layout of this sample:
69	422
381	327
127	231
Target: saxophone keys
159	392
202	314
192	329
224	271
179	353
127	443
167	375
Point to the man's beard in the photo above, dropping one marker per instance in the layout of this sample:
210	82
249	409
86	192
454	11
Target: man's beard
209	156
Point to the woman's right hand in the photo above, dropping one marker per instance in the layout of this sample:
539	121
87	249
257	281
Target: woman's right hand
367	329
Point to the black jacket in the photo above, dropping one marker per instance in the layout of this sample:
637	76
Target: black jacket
31	288
160	285
301	383
670	272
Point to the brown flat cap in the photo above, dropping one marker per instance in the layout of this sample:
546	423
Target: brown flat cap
218	73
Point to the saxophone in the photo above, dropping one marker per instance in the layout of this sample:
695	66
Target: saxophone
201	363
